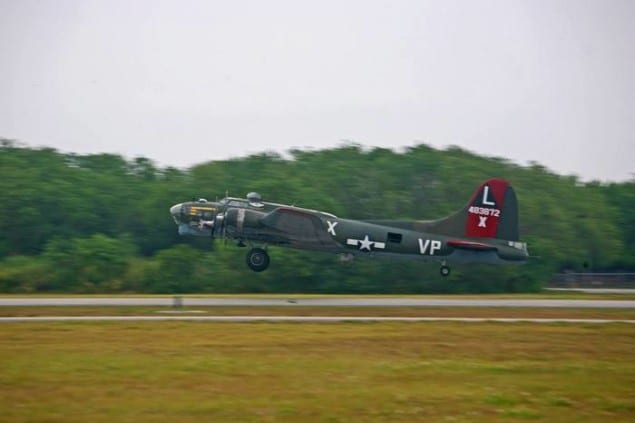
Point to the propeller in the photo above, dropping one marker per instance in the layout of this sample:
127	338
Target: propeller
219	226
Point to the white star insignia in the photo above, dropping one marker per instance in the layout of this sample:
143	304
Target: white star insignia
365	244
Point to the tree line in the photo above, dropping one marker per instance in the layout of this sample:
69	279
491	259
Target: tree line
100	222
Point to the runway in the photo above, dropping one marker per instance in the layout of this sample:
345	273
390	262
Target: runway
310	302
298	319
595	290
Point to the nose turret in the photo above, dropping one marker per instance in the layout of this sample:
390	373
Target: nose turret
195	217
175	211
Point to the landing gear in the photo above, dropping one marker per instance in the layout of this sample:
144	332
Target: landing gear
445	269
257	259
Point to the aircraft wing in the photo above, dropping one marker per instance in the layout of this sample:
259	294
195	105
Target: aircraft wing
302	227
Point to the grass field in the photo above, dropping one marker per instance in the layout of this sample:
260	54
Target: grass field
447	372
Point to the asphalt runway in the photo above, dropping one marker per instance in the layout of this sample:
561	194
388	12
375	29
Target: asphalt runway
297	319
311	302
595	290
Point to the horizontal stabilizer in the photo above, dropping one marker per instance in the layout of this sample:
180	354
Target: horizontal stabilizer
471	245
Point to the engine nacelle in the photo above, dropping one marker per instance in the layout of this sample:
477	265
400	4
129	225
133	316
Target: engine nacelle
197	218
185	229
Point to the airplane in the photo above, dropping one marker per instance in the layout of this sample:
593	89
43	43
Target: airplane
483	231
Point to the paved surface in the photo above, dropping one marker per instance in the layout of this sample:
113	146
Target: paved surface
595	290
313	302
300	319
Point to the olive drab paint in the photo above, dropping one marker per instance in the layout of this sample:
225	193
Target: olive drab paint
485	230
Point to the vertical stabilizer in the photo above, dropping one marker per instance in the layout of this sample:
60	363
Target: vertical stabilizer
492	212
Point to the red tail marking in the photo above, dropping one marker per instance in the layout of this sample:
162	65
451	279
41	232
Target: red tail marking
485	209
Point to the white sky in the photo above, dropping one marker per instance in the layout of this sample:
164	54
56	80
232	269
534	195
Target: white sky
183	82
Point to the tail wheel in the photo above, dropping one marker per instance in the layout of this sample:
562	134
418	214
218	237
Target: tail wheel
257	259
445	271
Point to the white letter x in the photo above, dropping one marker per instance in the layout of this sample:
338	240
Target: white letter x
482	222
332	226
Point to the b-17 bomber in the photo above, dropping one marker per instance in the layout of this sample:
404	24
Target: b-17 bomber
483	231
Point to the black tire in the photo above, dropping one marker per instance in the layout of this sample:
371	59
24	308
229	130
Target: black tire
257	259
445	271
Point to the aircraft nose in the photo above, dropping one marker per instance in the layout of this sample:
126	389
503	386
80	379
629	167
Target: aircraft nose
175	211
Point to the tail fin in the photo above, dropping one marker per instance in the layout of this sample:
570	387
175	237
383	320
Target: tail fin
492	212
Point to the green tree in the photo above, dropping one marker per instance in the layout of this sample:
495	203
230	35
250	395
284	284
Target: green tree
100	222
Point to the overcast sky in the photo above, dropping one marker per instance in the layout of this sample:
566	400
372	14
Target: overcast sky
184	82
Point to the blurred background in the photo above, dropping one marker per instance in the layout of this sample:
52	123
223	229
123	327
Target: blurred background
100	222
112	111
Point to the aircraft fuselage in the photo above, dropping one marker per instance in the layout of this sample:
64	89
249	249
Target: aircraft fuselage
262	223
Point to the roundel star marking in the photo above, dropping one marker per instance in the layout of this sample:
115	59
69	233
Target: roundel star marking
365	244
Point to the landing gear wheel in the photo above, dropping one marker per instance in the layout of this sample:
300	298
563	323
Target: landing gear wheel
445	271
257	259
